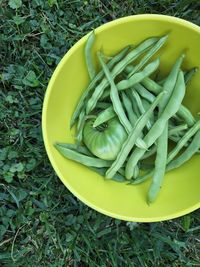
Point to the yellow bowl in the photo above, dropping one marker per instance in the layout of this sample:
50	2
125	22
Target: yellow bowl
181	189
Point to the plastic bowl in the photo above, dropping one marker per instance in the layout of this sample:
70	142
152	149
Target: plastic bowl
181	189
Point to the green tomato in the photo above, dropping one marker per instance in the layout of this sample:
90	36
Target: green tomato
104	141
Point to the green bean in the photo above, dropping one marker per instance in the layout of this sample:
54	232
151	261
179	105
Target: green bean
88	55
98	77
157	129
132	137
105	94
160	165
178	129
148	55
146	155
83	159
161	82
80	126
129	109
184	157
106	57
117	105
142	178
171	81
143	92
183	112
122	172
162	143
104	116
189	74
132	118
118	177
145	166
128	69
134	105
186	115
146	104
140	106
119	67
152	86
139	76
103	105
140	143
136	172
78	148
183	141
176	139
150	152
187	154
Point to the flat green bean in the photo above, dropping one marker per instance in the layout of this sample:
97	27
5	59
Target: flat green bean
88	55
98	77
139	76
157	129
132	137
81	158
119	67
104	116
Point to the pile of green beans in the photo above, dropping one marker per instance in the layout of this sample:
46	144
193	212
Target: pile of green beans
136	127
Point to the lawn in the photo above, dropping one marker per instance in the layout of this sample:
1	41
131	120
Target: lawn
42	223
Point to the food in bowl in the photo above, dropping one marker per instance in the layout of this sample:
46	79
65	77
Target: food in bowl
124	117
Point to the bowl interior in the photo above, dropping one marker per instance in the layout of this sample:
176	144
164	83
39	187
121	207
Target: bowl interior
180	192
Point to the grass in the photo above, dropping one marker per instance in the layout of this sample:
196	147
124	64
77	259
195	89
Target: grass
41	222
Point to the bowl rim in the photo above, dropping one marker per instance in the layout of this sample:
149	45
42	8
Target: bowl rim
99	29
